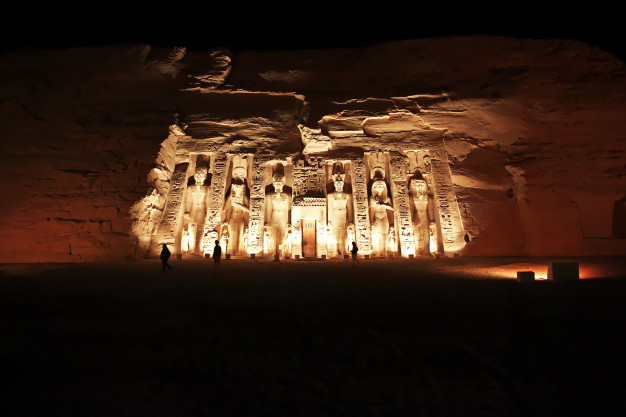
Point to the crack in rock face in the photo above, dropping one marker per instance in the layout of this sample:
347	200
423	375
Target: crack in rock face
519	144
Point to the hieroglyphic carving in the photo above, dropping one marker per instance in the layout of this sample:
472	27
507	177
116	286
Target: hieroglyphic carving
215	202
402	213
361	206
449	217
308	178
309	182
172	215
257	206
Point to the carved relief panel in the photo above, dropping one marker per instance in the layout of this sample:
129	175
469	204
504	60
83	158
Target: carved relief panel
402	213
255	235
219	162
361	206
169	228
309	207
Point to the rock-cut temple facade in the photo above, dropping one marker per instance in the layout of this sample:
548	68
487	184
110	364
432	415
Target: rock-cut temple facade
468	146
390	195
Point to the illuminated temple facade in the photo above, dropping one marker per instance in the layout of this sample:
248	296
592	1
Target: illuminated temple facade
390	195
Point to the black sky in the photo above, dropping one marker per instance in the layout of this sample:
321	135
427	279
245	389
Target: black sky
296	25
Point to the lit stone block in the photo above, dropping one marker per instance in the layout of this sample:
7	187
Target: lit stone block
525	276
563	271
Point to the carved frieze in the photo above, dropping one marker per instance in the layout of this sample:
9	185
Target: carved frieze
402	212
449	216
215	202
172	214
361	206
308	178
257	206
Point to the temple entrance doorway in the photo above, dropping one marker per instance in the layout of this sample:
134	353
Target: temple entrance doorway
309	233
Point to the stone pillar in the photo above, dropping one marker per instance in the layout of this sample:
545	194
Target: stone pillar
402	212
169	228
449	221
361	207
215	202
257	207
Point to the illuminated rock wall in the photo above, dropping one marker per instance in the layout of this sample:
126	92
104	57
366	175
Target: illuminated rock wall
525	140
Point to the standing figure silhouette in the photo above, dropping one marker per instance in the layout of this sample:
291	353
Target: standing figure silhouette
217	255
354	251
165	256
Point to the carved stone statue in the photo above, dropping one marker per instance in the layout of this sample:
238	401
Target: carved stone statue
186	239
237	209
392	243
421	218
225	238
380	204
195	210
237	216
433	238
146	213
278	212
340	214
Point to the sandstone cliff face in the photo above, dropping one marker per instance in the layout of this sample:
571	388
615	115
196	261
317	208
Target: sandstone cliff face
535	133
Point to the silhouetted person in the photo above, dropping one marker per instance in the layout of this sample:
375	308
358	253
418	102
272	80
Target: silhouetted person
354	251
217	255
165	255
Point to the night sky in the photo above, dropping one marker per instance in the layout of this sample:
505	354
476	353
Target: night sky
296	25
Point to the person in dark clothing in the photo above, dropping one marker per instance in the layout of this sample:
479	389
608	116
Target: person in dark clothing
165	256
354	251
217	255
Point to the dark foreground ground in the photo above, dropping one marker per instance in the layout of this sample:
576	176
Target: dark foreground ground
398	338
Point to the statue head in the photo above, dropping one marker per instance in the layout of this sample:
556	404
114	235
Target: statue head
237	189
379	189
338	171
162	187
338	184
278	180
418	187
200	175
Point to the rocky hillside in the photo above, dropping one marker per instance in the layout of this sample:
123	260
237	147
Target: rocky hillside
535	131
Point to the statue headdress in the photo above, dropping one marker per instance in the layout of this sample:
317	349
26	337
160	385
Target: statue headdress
240	167
377	165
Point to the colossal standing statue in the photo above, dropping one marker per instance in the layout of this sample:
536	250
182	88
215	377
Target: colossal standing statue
195	211
237	209
340	213
421	218
379	204
278	212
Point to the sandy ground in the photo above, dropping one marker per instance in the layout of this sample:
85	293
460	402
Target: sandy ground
447	337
